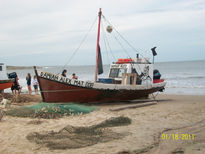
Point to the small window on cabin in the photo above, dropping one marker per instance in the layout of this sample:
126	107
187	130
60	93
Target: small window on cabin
122	70
114	72
117	72
0	68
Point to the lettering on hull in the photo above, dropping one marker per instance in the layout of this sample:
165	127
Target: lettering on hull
65	80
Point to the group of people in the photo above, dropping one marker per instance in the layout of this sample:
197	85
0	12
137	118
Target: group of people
35	83
73	75
16	88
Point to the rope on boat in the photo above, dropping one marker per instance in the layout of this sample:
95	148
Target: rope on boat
76	50
122	39
118	41
126	52
106	40
121	36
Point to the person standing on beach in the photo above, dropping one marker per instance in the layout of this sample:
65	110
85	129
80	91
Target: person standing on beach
28	79
16	87
35	84
64	73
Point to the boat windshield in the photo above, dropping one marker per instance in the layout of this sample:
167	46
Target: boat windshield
117	72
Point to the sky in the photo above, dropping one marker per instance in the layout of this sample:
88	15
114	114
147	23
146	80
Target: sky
50	32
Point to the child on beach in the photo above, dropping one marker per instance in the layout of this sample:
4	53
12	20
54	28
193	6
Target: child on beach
35	84
28	79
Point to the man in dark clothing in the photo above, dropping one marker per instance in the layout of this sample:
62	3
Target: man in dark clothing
64	73
16	86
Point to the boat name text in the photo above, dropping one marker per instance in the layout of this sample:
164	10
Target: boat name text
65	80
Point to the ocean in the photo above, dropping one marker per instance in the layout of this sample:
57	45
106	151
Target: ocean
185	77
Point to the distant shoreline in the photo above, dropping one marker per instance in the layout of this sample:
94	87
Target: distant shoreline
157	62
20	67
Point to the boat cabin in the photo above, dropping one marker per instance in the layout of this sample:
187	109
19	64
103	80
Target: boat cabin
127	71
3	75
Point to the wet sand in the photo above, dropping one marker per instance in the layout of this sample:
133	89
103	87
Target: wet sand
173	114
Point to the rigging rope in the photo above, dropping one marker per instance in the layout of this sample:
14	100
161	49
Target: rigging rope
125	41
102	27
83	40
126	52
118	41
110	49
121	46
121	36
107	43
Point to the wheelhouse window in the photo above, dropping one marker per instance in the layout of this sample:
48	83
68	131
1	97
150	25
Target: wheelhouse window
117	72
0	68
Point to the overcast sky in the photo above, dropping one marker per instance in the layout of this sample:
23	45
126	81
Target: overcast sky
47	32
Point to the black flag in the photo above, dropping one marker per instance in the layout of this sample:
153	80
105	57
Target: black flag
100	65
153	51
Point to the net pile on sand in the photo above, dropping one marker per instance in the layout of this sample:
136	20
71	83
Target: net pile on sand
50	110
71	137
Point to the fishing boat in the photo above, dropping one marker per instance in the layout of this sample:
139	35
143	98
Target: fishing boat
4	81
128	79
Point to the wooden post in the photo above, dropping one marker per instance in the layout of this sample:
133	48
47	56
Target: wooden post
123	78
133	106
135	79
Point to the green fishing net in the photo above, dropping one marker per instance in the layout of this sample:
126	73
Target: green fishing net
50	110
72	137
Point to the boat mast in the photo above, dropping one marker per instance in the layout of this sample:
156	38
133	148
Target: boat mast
97	48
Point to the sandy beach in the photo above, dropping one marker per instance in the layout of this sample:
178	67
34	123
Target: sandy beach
173	115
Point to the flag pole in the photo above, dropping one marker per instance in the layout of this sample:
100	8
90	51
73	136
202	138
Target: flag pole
97	48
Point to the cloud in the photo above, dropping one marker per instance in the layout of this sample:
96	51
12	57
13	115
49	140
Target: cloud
52	26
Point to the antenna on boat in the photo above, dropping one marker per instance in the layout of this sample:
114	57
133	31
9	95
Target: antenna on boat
154	53
98	46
